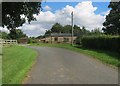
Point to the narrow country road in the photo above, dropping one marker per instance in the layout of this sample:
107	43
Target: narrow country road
61	66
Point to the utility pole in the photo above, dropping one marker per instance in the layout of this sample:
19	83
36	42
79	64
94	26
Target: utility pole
51	36
72	23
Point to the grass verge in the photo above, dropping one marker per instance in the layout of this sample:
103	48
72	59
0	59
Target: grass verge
17	60
110	58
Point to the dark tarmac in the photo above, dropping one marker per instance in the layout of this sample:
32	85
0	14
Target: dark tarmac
61	66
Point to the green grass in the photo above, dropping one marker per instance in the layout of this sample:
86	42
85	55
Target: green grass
110	58
17	60
0	70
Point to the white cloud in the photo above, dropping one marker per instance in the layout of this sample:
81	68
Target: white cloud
46	17
33	29
4	29
84	15
47	8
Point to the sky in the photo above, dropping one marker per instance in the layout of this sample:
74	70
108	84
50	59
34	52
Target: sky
86	13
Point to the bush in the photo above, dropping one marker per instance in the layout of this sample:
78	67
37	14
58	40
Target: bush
30	40
104	42
78	40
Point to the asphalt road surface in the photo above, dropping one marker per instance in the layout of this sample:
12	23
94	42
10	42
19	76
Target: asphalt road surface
61	66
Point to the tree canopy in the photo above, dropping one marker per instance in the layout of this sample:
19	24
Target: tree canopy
67	29
56	28
47	33
16	34
112	23
3	35
96	31
12	12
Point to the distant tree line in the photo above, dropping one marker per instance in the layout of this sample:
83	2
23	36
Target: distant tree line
14	34
78	31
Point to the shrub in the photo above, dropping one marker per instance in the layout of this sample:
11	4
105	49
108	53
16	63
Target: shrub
78	40
104	42
30	40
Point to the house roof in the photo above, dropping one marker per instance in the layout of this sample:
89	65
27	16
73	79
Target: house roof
61	34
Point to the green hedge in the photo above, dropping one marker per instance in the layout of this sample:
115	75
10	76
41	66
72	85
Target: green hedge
105	42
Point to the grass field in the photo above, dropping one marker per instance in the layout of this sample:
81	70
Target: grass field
17	60
107	57
0	70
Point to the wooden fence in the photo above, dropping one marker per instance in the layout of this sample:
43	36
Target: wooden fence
7	42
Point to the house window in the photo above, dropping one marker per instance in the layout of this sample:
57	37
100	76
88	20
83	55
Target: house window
66	39
56	39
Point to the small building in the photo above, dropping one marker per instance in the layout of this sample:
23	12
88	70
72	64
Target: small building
23	40
59	38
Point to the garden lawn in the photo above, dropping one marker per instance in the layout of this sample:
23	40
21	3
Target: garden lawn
17	60
107	57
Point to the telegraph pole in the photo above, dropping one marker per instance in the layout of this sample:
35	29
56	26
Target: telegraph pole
72	23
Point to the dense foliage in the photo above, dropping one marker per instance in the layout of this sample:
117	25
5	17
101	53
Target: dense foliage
84	32
4	35
58	28
14	34
32	40
12	12
111	43
112	23
15	14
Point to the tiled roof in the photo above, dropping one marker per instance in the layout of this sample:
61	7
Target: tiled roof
60	34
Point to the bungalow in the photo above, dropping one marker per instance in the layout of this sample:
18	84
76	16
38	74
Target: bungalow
23	40
58	38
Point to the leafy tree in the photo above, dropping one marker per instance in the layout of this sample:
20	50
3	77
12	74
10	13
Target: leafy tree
20	33
112	23
81	32
32	40
13	34
3	35
96	31
56	28
16	34
40	37
84	31
12	11
67	29
77	30
47	33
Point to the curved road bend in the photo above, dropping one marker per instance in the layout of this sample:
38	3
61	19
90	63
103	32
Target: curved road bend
61	66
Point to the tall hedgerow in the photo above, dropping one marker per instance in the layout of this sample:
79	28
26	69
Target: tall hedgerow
104	42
